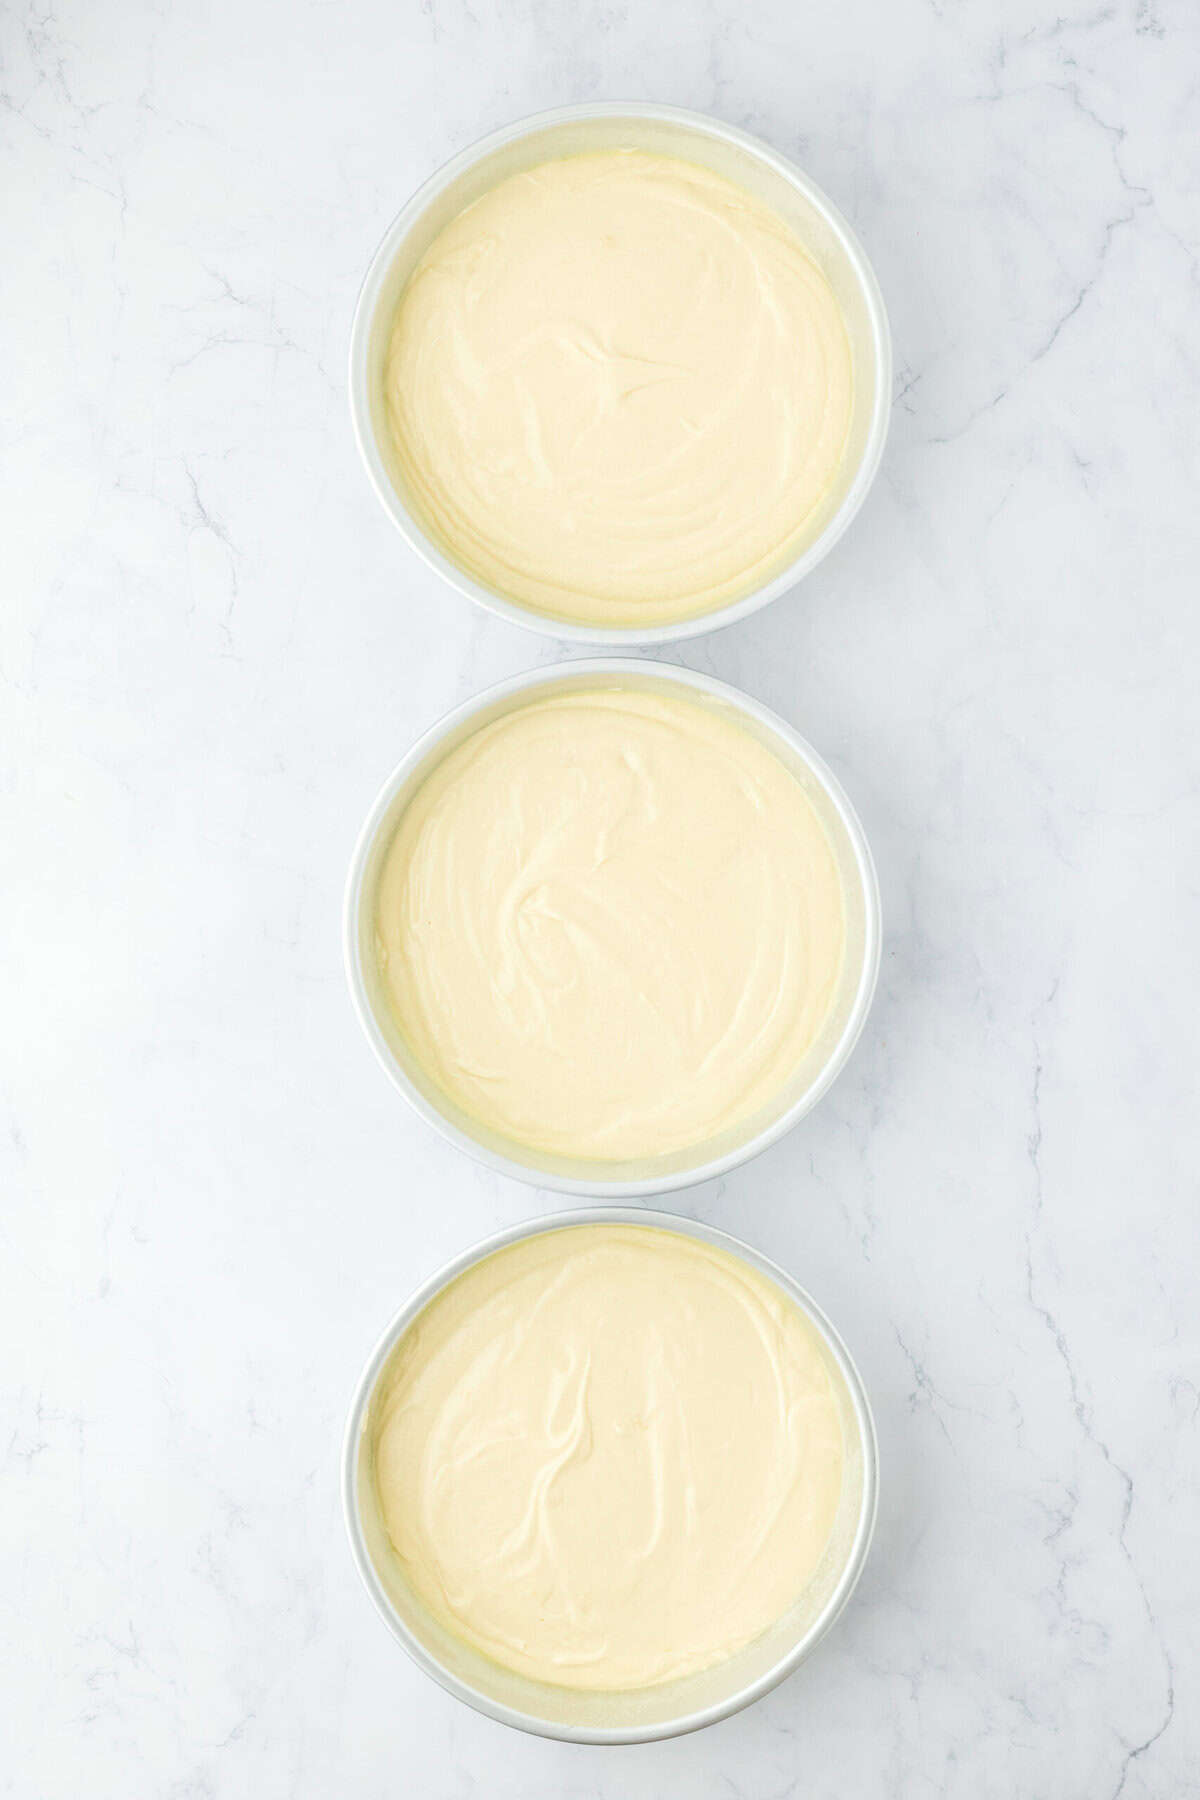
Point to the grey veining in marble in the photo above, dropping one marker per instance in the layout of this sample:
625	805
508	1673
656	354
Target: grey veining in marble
213	646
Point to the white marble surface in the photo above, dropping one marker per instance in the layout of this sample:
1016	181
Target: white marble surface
214	646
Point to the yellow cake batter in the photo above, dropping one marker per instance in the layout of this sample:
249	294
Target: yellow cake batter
610	923
608	1456
618	388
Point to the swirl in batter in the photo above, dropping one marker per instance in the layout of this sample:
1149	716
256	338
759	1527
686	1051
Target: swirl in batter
610	923
608	1456
618	389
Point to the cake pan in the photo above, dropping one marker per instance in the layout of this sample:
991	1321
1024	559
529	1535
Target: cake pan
585	1177
670	131
674	1707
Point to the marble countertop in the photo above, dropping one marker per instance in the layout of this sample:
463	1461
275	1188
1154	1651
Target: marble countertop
213	646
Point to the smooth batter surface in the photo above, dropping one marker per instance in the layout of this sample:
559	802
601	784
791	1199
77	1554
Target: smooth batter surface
618	388
610	923
608	1456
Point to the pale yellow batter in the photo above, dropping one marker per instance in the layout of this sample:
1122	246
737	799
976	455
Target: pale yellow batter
608	1456
610	923
618	388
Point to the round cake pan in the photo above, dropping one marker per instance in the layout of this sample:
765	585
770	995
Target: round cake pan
829	1054
675	1707
666	130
